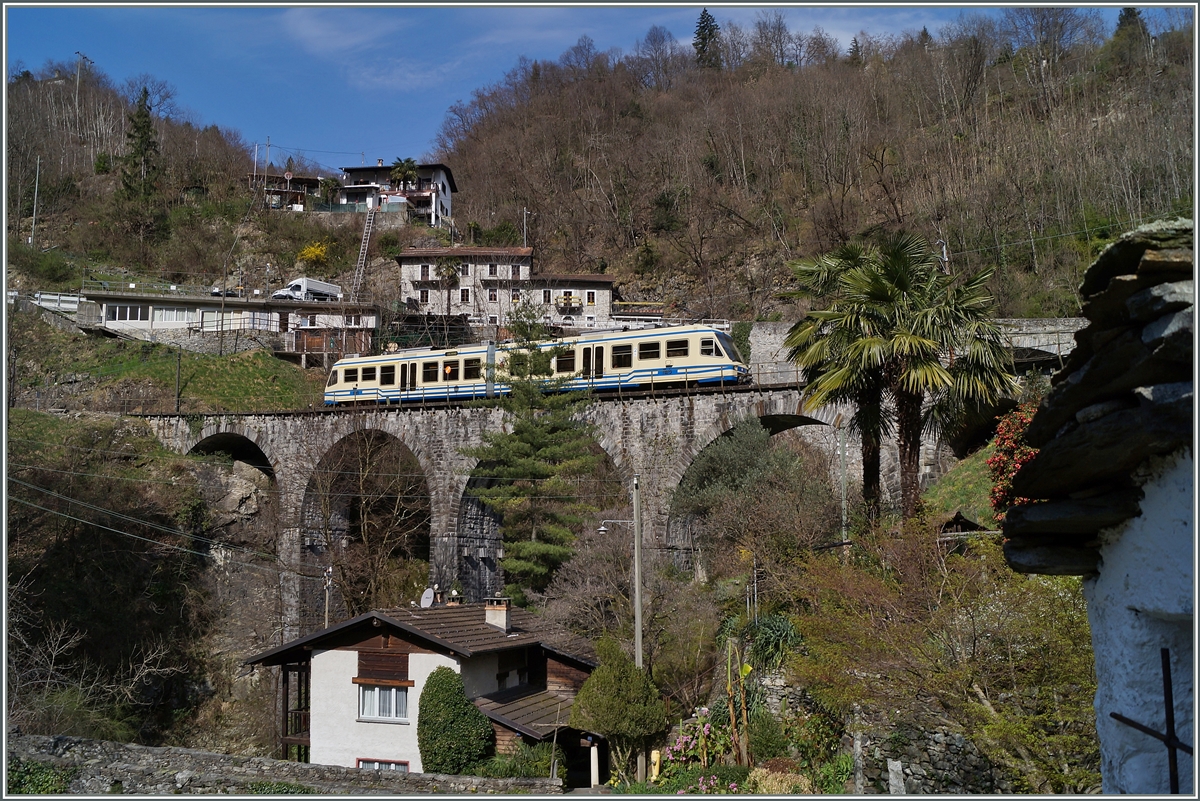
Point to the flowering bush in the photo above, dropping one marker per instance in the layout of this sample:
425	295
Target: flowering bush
701	742
715	780
1012	452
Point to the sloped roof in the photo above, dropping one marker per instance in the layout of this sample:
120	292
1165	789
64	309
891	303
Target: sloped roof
433	253
461	630
530	711
1124	395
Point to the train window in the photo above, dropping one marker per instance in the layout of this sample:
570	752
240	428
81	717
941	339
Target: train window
350	375
565	362
332	378
706	347
471	369
677	348
622	356
648	350
450	370
368	374
387	374
429	372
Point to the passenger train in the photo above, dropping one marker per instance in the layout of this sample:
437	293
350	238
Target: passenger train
690	355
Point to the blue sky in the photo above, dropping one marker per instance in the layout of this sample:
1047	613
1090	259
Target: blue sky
346	84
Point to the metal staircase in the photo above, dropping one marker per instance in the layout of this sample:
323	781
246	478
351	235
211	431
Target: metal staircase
362	256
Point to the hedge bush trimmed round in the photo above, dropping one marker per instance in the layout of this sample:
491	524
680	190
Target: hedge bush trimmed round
452	733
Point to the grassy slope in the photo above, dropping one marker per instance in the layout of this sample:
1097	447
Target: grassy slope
967	487
247	381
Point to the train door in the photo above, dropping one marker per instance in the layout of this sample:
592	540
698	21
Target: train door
587	365
598	364
403	377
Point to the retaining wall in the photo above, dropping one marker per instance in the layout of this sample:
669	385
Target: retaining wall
107	767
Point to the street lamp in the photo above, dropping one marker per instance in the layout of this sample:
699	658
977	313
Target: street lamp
637	589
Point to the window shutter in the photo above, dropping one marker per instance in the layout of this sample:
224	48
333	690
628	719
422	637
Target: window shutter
375	665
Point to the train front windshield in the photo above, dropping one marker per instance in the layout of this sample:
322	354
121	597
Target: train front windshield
729	348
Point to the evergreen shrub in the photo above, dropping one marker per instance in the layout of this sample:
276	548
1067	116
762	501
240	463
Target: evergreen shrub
452	734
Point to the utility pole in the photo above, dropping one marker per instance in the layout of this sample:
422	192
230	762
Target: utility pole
79	69
637	598
525	243
36	178
178	364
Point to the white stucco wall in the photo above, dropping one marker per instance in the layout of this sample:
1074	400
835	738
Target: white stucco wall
1142	601
338	737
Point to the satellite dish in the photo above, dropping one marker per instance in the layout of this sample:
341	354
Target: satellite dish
427	598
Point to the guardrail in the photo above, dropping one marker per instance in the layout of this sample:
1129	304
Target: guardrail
144	288
68	304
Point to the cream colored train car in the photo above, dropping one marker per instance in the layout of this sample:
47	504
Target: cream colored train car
690	355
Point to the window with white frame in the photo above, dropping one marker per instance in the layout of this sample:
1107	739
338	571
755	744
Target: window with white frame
591	298
493	294
424	295
382	703
465	270
516	295
424	272
464	295
516	272
492	270
546	296
381	764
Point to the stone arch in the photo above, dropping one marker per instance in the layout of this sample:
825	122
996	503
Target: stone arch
242	445
776	413
366	494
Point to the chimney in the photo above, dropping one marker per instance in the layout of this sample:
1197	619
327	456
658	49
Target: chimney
455	599
439	597
380	164
496	613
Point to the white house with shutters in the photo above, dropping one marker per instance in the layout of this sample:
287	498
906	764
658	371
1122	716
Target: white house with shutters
484	284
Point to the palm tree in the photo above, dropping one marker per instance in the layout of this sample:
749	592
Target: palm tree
898	330
404	171
827	346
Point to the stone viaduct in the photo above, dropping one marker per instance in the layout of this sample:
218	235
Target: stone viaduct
656	438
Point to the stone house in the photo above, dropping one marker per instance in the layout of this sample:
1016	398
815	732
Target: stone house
485	283
1115	490
351	692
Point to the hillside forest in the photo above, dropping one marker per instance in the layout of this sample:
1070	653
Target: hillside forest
692	171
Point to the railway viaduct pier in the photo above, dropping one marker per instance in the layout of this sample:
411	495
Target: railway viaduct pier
655	437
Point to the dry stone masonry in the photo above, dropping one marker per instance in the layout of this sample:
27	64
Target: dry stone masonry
102	767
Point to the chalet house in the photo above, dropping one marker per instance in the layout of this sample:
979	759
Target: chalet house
426	199
1115	483
351	692
485	283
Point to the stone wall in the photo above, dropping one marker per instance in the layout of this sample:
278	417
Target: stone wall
108	767
891	757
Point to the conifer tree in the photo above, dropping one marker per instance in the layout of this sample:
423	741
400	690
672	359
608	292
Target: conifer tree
140	205
534	467
707	41
620	702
